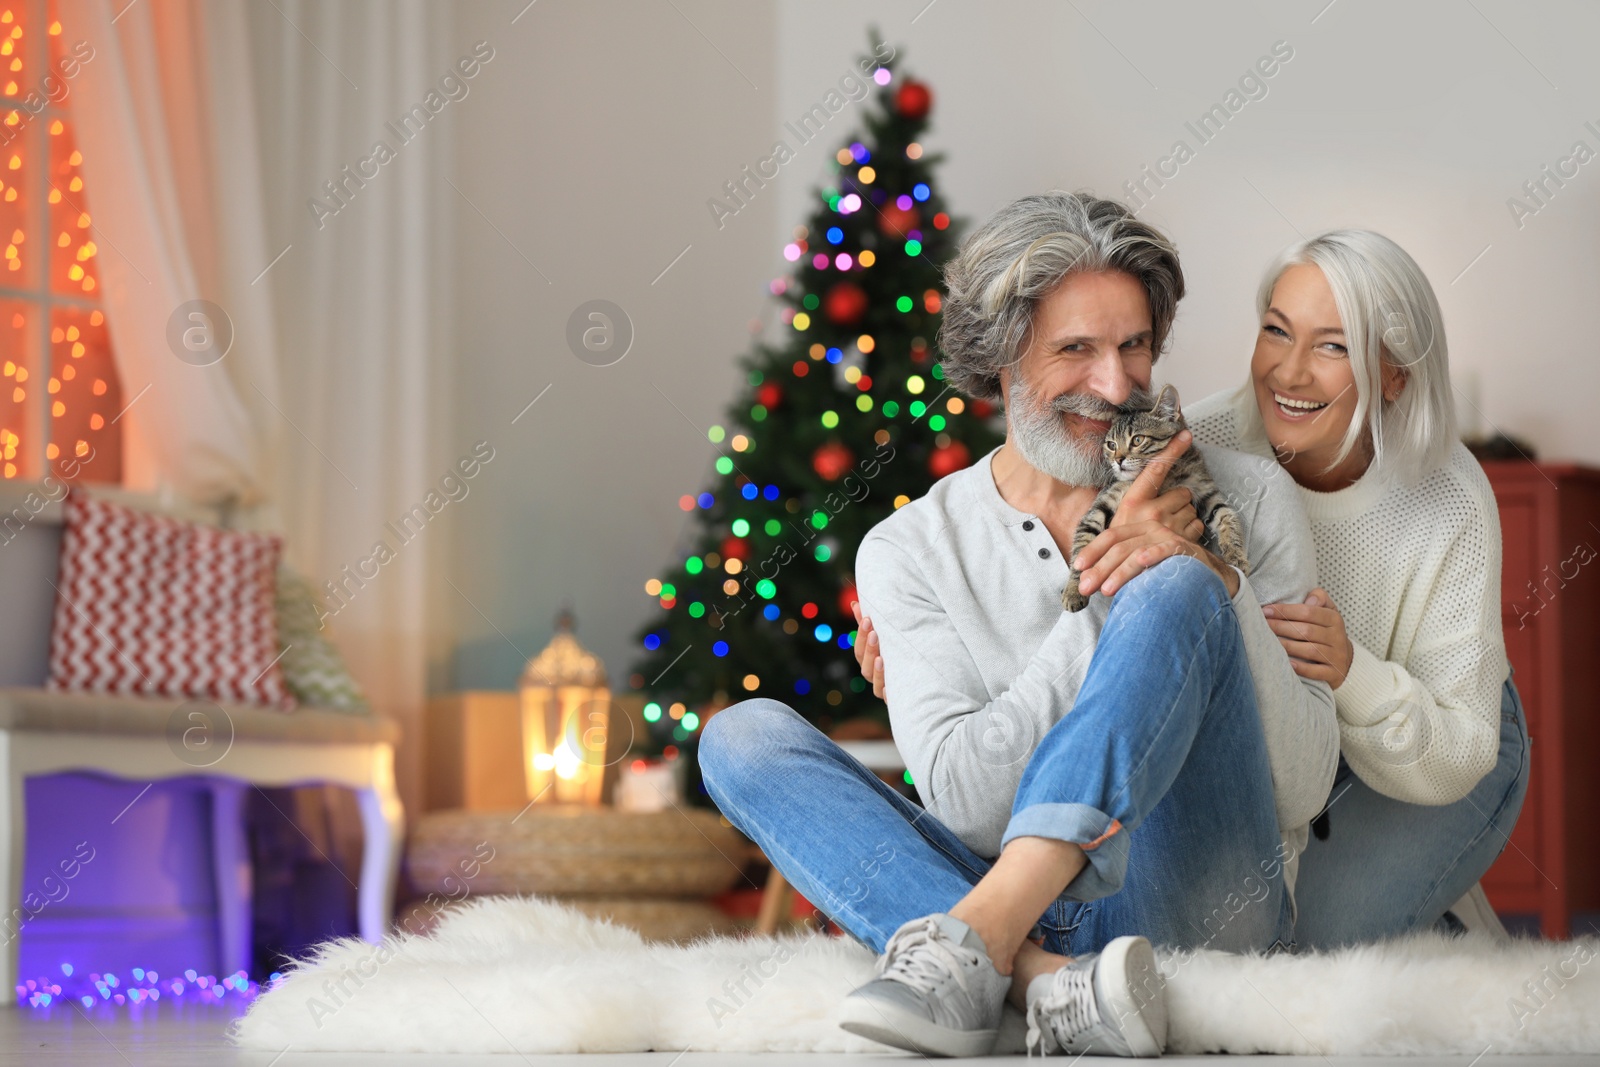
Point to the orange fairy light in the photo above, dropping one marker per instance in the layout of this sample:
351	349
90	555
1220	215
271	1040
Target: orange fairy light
51	270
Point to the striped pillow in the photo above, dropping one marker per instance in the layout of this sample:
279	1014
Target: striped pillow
153	606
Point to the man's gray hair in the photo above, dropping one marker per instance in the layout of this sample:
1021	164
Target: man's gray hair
1020	255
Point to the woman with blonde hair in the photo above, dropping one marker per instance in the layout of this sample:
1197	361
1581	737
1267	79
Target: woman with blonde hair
1349	390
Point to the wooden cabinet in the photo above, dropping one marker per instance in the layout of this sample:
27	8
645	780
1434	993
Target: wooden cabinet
1550	607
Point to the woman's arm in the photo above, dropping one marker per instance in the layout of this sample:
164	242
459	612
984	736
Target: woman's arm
1424	727
1427	729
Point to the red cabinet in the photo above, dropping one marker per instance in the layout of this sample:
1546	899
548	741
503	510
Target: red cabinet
1550	607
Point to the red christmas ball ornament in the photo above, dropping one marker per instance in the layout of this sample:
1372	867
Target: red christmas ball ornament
949	459
735	548
896	221
847	597
845	304
769	395
913	101
832	461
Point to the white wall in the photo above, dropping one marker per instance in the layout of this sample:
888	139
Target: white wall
1417	119
592	142
596	143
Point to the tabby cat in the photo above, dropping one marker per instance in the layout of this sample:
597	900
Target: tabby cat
1133	440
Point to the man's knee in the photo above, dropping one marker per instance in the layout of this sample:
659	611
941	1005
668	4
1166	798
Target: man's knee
739	736
1178	576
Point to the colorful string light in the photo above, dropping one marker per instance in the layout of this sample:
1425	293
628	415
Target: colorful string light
146	987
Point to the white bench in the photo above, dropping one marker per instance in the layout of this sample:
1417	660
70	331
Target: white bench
141	740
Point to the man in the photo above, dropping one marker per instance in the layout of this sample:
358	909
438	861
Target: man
1147	766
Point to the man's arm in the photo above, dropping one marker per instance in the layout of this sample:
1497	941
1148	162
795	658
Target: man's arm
1298	715
966	753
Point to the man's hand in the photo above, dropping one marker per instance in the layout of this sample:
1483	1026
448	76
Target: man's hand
1145	502
1313	635
1148	527
866	650
1138	548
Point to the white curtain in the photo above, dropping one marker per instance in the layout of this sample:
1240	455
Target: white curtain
207	126
364	321
163	118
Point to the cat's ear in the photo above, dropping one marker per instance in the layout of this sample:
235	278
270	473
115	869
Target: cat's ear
1167	403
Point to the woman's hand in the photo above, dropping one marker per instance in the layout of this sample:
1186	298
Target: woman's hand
866	650
1313	635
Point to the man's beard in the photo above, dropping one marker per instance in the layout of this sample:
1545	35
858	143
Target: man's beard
1049	446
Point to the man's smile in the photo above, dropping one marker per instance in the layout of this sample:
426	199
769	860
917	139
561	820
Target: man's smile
1098	426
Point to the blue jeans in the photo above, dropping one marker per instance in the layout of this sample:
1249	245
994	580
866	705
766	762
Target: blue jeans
1388	867
1160	770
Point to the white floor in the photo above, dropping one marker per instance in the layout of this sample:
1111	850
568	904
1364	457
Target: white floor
192	1035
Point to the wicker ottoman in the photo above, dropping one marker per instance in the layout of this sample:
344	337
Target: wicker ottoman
650	871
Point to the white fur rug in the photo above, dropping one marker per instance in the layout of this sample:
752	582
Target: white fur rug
531	976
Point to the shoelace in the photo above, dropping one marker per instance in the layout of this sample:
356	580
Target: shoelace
923	971
1064	1012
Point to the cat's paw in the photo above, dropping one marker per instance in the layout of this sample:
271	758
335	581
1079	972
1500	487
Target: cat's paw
1237	558
1071	599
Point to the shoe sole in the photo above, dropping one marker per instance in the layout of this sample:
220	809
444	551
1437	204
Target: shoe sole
1126	971
899	1029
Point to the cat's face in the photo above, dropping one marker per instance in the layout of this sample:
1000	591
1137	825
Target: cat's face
1136	437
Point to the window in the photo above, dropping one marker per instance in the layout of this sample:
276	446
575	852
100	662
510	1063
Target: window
60	399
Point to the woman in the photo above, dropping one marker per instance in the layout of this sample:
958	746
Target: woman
1349	390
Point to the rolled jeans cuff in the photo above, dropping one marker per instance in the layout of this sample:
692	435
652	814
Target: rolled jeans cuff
1103	839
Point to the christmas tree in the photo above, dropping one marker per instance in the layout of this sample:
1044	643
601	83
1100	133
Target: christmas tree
843	421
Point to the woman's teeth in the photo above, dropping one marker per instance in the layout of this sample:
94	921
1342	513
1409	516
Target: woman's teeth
1298	406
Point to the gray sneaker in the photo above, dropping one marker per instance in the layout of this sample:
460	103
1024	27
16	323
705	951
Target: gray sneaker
936	993
1110	1003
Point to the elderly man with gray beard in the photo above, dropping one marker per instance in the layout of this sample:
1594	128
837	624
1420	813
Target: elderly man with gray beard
1145	769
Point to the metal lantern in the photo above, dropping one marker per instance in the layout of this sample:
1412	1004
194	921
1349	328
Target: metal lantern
566	711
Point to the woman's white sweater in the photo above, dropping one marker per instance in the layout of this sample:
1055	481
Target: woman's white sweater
1415	571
